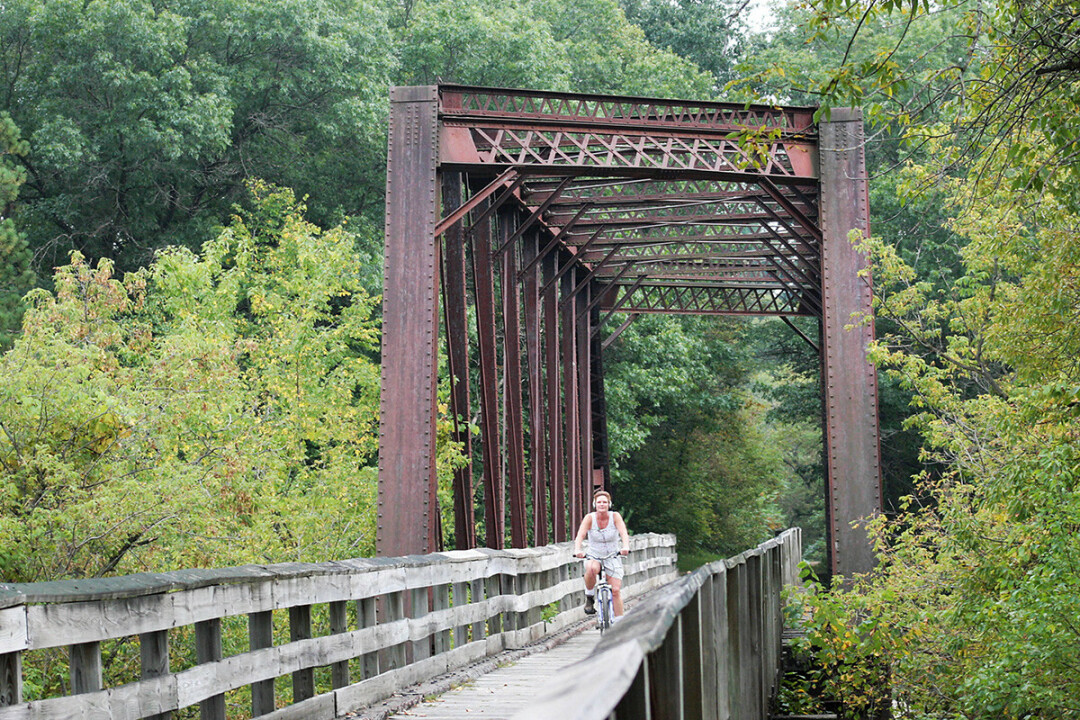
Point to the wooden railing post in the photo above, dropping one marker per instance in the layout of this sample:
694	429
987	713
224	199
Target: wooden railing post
493	588
85	668
709	649
666	676
392	610
339	624
441	601
476	594
208	650
738	641
154	660
755	606
636	704
693	692
721	641
365	618
418	597
10	679
260	636
460	597
303	680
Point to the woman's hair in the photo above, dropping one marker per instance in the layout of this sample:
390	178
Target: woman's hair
598	493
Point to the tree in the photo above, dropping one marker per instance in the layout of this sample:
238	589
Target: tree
560	46
709	33
144	119
204	411
16	276
971	607
689	447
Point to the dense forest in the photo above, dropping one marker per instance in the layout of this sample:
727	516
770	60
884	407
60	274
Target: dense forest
191	199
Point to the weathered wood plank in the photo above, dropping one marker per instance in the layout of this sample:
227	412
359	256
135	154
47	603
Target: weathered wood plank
13	633
261	636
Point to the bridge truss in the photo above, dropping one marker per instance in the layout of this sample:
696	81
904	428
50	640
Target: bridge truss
543	224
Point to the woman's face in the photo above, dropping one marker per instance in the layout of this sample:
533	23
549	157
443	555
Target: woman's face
602	503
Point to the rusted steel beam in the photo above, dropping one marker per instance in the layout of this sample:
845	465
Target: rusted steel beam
625	220
585	388
851	419
558	239
618	331
457	355
804	336
703	300
490	208
584	283
538	460
600	291
792	210
407	406
462	101
572	463
484	294
570	264
512	402
456	214
601	455
554	401
628	152
536	214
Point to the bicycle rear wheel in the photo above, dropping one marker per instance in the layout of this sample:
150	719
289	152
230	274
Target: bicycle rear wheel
604	609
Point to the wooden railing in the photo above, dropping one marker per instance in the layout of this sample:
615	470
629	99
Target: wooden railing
320	640
708	647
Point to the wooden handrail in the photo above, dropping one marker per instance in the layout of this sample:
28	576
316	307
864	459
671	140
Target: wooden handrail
435	612
708	646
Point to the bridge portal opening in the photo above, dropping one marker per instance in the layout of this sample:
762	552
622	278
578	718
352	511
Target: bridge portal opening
524	222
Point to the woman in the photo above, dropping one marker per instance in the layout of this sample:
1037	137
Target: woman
604	529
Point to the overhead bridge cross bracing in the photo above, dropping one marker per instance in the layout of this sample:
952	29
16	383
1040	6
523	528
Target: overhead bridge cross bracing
534	227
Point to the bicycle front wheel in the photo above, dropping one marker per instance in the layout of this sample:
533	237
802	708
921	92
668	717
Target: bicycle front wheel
605	610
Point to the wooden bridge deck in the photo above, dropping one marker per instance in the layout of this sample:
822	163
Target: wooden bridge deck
500	694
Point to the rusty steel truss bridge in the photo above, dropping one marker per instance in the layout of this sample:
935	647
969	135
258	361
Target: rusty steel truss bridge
529	229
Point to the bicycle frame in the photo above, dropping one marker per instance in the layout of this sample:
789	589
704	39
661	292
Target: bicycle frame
605	602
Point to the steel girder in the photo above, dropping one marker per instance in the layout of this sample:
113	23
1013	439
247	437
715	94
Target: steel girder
561	214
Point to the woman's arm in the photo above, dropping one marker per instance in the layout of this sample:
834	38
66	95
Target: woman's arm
621	527
582	533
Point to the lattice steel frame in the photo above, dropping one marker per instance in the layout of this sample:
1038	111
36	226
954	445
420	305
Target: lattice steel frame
540	216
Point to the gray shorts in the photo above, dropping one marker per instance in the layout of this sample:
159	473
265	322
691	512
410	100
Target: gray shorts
612	566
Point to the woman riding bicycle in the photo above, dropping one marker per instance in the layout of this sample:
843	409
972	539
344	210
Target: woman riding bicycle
604	529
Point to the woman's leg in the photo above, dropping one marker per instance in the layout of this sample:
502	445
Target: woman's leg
616	595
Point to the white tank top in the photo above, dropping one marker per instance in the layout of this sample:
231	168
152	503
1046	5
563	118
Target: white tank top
606	541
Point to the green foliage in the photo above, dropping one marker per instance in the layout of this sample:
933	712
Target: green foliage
145	119
710	33
692	452
564	46
206	411
16	276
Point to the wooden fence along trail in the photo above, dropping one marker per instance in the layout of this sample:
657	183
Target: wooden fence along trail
415	617
706	645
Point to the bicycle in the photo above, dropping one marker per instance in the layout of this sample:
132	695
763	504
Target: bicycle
605	602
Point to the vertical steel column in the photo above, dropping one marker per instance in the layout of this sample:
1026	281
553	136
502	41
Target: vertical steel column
584	371
457	354
512	403
554	400
484	293
570	403
851	404
410	328
601	453
537	456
